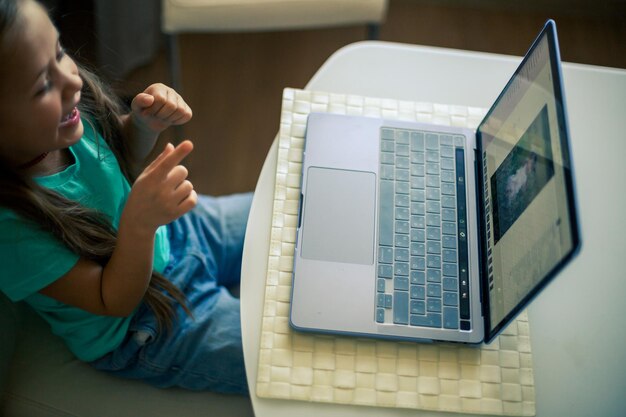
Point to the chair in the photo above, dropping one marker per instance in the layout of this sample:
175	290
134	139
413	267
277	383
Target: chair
189	16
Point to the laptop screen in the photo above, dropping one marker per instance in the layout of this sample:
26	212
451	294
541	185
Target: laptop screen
530	221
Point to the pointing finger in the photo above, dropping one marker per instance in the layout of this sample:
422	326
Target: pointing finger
175	157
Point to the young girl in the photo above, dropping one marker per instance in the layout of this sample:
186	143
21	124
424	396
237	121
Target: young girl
133	275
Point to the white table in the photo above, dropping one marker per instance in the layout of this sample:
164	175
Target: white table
577	324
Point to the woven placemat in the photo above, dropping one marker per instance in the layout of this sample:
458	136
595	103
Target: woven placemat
490	379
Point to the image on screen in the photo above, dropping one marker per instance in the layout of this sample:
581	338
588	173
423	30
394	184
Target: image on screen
522	175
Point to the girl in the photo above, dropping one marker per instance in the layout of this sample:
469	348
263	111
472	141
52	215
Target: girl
133	278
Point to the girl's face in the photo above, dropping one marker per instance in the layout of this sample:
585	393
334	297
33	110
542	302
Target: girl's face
39	89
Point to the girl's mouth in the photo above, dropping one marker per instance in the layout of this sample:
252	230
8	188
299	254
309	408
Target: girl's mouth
71	118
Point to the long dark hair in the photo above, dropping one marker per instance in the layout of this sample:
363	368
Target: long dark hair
83	230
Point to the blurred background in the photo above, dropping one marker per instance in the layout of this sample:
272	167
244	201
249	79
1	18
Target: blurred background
233	81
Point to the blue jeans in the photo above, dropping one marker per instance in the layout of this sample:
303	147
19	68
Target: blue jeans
203	352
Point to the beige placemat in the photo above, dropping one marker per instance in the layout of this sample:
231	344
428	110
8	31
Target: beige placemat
491	379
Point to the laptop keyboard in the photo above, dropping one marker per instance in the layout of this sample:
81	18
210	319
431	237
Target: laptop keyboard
422	275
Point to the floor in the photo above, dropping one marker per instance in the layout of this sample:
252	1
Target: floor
234	82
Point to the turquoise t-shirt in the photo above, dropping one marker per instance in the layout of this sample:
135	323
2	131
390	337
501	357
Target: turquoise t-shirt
32	258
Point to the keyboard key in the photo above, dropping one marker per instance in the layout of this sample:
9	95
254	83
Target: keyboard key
447	188
401	307
433	290
433	305
401	283
433	247
402	137
418	307
418	235
447	151
402	255
402	150
417	277
433	194
418	263
418	292
433	220
388	301
401	174
449	255
433	275
448	215
417	141
402	187
402	162
385	255
418	196
433	261
418	222
418	209
402	213
387	133
447	164
432	168
448	201
449	242
446	140
448	176
418	182
433	233
380	300
401	268
450	284
417	157
448	228
429	320
450	299
433	207
380	315
387	172
432	180
385	271
432	156
432	141
380	285
450	270
402	241
450	318
402	200
402	227
418	249
386	215
387	158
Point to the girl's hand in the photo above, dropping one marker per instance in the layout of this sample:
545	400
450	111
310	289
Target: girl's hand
158	108
162	192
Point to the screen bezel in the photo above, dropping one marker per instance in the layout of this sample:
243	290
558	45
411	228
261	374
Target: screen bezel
549	31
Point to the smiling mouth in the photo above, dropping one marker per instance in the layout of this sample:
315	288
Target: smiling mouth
70	118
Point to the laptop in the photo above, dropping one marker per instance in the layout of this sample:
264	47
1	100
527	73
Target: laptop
433	233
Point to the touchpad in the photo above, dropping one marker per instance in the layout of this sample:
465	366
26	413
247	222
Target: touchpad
339	215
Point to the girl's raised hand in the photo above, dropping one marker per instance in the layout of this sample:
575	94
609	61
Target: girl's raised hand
162	192
159	107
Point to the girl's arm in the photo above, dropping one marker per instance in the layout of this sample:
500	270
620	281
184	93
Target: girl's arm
152	111
159	195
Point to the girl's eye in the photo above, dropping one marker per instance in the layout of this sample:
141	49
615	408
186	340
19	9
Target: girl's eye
46	87
60	53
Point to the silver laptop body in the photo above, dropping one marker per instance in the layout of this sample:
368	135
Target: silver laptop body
436	255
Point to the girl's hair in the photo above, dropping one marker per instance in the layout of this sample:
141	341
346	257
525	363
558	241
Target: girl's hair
84	231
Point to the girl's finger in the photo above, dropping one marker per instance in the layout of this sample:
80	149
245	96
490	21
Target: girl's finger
169	148
141	101
175	157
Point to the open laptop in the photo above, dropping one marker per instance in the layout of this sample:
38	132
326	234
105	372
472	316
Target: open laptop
427	232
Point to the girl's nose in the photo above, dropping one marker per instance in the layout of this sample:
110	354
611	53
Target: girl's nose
72	82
